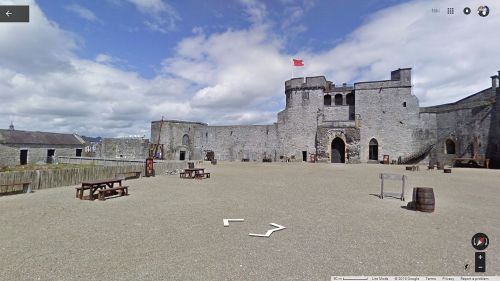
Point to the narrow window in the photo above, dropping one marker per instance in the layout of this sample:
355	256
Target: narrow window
78	152
185	140
404	104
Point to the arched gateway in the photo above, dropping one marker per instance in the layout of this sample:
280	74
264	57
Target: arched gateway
338	151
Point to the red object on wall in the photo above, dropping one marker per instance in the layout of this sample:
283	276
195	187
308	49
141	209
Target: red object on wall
150	171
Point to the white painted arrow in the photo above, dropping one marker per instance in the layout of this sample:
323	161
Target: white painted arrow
269	232
8	13
226	221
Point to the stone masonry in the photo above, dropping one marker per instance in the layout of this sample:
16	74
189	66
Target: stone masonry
349	124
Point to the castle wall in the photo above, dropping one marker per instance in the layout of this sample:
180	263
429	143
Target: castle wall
337	112
386	111
467	123
130	148
171	136
234	143
390	114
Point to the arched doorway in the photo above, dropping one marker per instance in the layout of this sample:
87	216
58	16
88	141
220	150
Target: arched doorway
338	151
450	146
373	150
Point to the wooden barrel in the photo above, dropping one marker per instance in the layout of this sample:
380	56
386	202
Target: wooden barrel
191	165
424	201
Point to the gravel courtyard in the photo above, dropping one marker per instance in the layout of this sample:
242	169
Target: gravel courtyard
172	229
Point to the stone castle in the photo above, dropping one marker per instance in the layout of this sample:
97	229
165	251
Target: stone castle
362	123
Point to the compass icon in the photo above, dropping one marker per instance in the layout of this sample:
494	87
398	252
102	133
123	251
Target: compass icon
480	241
483	11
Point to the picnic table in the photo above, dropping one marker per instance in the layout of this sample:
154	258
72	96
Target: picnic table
194	173
104	187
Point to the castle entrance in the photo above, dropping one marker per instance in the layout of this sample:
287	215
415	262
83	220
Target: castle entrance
338	151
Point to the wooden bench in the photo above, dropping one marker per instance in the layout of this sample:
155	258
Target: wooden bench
79	190
25	187
128	175
111	191
200	176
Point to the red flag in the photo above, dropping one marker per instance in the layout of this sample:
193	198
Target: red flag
298	62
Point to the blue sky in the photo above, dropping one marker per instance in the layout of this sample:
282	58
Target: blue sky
110	67
117	28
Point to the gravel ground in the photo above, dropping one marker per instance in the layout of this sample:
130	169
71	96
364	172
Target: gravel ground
171	228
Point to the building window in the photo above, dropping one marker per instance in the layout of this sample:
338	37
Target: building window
404	104
185	140
338	99
305	95
349	99
231	133
327	100
79	152
373	150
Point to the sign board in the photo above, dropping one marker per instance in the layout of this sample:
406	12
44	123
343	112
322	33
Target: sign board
386	159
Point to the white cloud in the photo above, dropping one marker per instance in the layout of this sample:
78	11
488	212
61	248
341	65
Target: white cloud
255	10
82	12
235	76
162	17
243	74
452	56
293	14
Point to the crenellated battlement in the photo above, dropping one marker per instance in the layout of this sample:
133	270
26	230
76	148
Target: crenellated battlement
315	83
306	83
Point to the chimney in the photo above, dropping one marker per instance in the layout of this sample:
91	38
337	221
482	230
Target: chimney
494	82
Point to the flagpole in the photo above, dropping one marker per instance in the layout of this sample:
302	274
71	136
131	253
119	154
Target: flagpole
291	60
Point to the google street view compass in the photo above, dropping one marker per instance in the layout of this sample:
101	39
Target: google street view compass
480	241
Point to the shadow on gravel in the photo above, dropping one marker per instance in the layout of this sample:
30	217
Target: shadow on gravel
410	206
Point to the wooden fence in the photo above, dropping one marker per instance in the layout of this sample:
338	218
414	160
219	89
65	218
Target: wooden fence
41	179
